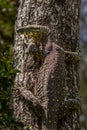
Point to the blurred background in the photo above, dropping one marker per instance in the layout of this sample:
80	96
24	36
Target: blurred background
83	64
7	21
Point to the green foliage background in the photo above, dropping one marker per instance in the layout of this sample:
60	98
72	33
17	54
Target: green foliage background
7	19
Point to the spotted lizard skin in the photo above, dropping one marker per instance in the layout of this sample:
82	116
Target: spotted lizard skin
38	94
50	88
44	89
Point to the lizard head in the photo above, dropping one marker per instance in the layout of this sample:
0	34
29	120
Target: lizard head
38	33
37	39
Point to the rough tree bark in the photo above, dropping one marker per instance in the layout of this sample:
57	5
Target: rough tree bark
45	92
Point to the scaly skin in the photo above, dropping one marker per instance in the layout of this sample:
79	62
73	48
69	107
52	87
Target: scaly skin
39	90
51	88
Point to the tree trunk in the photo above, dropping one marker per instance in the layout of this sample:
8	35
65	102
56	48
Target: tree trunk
45	92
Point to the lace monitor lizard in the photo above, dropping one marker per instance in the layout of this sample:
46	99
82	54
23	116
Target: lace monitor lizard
46	89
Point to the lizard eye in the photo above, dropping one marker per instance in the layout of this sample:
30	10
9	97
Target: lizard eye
32	48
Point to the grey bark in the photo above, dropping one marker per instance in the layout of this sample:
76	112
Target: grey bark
45	92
